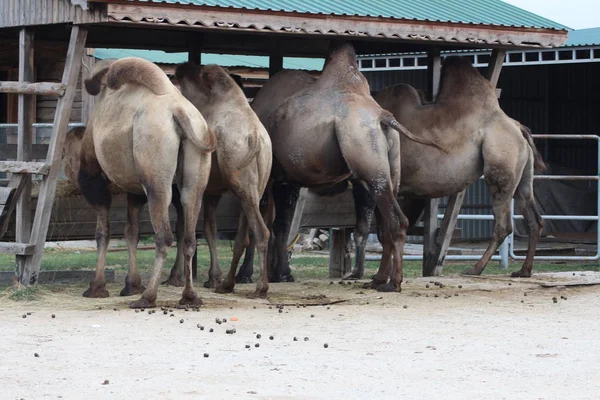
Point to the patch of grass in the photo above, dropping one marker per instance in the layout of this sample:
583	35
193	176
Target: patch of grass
28	293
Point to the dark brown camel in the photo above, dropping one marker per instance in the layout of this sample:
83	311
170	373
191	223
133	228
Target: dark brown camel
242	164
147	137
325	132
481	139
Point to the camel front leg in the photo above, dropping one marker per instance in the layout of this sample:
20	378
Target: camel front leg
133	281
97	287
364	207
215	275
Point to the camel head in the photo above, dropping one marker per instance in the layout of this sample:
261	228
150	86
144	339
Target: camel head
460	80
97	80
340	51
202	84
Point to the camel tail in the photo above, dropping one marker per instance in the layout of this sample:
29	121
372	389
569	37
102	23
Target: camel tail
187	131
538	162
388	120
254	147
138	71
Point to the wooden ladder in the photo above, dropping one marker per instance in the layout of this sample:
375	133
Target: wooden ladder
30	238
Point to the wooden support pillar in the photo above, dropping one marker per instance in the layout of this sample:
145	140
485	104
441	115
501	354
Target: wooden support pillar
275	59
433	261
26	105
297	218
87	100
340	262
195	49
31	270
434	67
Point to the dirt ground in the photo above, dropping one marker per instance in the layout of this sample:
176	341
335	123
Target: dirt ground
493	338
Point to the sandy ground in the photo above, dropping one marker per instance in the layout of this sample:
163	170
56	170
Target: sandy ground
490	342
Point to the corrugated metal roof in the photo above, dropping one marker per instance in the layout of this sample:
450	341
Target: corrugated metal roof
583	37
224	60
488	12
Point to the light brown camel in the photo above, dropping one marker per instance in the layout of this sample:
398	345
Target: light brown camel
466	119
325	132
146	138
242	165
83	171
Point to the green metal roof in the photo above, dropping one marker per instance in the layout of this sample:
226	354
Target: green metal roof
161	57
487	12
583	37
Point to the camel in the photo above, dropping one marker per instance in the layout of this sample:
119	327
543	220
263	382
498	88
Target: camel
146	138
96	189
467	120
242	164
325	132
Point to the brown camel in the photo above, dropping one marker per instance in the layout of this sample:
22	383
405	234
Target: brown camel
95	187
147	137
242	165
467	120
325	132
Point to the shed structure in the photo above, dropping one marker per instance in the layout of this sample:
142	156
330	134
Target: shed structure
255	27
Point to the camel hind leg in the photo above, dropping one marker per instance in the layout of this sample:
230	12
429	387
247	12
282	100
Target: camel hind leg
215	275
176	275
133	281
534	224
364	207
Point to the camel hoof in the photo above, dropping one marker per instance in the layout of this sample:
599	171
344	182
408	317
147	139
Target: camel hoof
173	281
194	302
130	290
521	274
257	294
224	288
142	303
352	276
96	291
388	288
212	283
243	280
471	271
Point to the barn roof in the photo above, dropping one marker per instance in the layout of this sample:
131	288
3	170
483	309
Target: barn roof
486	12
584	37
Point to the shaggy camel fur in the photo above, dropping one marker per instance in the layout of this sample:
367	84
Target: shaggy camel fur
325	132
147	137
97	191
242	165
467	120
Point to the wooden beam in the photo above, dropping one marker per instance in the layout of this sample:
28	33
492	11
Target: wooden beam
87	100
430	222
26	104
494	68
297	218
24	167
195	50
59	130
9	196
9	151
340	261
275	59
20	249
41	88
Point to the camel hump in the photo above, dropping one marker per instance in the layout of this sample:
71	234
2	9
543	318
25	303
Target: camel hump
538	162
206	144
388	120
138	71
93	85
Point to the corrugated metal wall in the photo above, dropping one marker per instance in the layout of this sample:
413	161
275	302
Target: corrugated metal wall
560	98
38	12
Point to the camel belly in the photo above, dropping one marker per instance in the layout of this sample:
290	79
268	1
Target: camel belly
425	175
115	155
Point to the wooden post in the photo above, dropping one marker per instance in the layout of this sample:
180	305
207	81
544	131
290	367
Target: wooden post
297	218
195	50
26	105
59	129
434	66
433	262
87	100
340	262
275	59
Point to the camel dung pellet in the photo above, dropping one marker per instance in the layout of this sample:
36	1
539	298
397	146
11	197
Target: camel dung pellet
254	307
137	311
460	286
280	311
172	315
326	345
165	312
115	309
224	320
205	355
455	294
36	355
28	313
258	336
106	382
24	315
247	346
295	339
306	338
331	283
427	286
53	316
525	294
211	330
143	309
522	301
312	315
405	306
270	308
218	321
509	283
257	345
181	321
271	337
341	282
170	310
